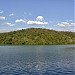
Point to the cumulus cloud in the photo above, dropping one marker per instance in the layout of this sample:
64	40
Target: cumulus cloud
20	21
11	14
66	24
39	18
37	22
9	24
2	17
1	11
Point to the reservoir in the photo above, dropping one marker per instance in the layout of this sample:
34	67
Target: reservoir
37	60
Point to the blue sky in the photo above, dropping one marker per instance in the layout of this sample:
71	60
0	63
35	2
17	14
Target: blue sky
49	14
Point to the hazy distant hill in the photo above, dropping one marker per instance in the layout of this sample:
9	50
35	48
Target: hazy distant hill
37	36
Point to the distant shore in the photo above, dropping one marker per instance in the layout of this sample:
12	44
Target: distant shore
37	36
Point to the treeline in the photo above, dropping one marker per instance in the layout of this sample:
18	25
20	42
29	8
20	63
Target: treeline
37	36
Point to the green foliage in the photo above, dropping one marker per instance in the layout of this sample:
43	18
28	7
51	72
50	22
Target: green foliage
37	36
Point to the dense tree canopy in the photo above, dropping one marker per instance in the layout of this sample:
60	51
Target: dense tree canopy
37	36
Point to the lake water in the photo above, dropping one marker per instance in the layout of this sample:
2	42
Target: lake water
37	60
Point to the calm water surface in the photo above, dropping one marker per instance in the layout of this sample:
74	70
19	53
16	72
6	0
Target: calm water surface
37	60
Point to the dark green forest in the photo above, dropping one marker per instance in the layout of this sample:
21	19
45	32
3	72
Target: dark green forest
37	36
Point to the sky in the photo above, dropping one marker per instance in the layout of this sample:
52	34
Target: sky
50	14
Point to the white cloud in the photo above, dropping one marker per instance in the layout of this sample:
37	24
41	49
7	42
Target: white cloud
11	14
21	28
9	24
2	17
39	18
66	24
20	21
1	11
37	22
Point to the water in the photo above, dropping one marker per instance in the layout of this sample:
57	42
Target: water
37	60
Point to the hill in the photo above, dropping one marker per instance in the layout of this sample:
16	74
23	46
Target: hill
37	36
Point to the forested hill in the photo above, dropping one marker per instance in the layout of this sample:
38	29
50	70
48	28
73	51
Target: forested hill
37	36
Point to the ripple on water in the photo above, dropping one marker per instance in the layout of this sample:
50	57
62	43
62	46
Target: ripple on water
30	60
35	68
